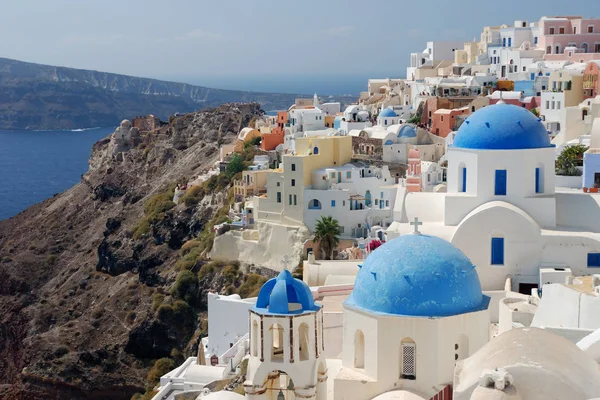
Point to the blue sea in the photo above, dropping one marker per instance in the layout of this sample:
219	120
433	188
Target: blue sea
34	165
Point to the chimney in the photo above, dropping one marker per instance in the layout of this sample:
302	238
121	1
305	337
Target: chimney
311	258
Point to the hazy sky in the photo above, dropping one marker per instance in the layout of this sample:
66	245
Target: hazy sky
246	42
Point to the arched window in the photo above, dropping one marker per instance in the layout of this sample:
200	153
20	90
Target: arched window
276	343
359	349
461	347
255	339
473	109
408	359
584	47
304	342
316	150
314	204
557	49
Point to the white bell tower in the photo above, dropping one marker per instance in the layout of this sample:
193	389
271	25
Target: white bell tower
286	343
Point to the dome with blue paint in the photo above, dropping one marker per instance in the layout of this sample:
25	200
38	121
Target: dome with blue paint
502	127
387	113
407	131
419	276
285	295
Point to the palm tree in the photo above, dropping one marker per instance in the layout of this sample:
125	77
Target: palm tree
327	234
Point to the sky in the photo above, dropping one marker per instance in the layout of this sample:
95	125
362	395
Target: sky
262	45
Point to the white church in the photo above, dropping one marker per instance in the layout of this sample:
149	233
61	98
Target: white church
502	208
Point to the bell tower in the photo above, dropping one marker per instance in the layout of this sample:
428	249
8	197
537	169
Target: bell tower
286	343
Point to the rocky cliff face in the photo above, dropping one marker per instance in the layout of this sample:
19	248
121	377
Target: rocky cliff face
34	96
77	281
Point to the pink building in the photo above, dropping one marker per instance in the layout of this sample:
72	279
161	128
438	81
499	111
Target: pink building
413	173
590	79
559	33
516	99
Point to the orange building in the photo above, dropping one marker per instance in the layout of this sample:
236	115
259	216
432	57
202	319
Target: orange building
269	141
444	121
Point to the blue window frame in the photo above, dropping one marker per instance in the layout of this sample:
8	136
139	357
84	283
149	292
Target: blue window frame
332	203
503	42
497	251
464	180
293	167
279	197
348	174
316	150
538	186
314	204
500	189
532	76
593	260
535	40
509	42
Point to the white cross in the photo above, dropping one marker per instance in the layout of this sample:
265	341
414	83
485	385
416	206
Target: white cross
416	223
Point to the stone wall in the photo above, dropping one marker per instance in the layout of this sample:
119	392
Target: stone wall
146	123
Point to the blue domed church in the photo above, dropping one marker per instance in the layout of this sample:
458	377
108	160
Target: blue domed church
500	207
416	309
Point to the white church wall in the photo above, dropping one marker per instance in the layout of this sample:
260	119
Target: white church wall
578	209
571	250
225	331
589	312
395	153
573	335
316	274
574	182
520	166
428	207
333	332
522	244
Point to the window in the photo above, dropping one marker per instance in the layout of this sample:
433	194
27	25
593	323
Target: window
344	203
341	229
290	200
348	174
277	343
376	202
503	42
552	31
255	339
558	105
408	356
535	40
597	48
387	203
316	150
314	204
500	187
359	349
497	251
593	260
332	203
293	182
279	197
538	180
591	29
293	167
333	175
381	194
547	104
304	349
509	42
463	179
549	50
278	184
561	31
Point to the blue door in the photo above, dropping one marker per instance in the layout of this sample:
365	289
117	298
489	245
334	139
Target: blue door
538	189
497	251
464	180
500	182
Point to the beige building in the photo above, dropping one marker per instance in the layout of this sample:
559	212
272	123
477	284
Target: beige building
253	183
284	200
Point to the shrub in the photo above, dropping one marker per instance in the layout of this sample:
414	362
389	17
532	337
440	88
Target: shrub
160	367
51	259
61	351
188	247
157	300
149	395
142	227
185	287
192	196
183	314
235	165
192	258
231	273
165	313
251	286
569	159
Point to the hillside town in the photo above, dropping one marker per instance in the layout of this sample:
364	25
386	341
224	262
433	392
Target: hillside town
439	239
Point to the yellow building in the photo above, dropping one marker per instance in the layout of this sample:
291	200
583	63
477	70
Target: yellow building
571	83
253	183
284	200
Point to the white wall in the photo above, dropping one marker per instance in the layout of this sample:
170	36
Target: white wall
224	331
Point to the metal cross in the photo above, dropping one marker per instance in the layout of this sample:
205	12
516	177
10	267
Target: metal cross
416	223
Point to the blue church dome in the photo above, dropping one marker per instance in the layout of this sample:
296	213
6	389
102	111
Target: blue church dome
417	275
387	112
502	127
285	295
407	131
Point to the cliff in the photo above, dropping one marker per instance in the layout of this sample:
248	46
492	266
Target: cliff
93	286
35	96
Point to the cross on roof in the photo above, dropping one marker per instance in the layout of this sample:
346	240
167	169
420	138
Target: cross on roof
416	223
